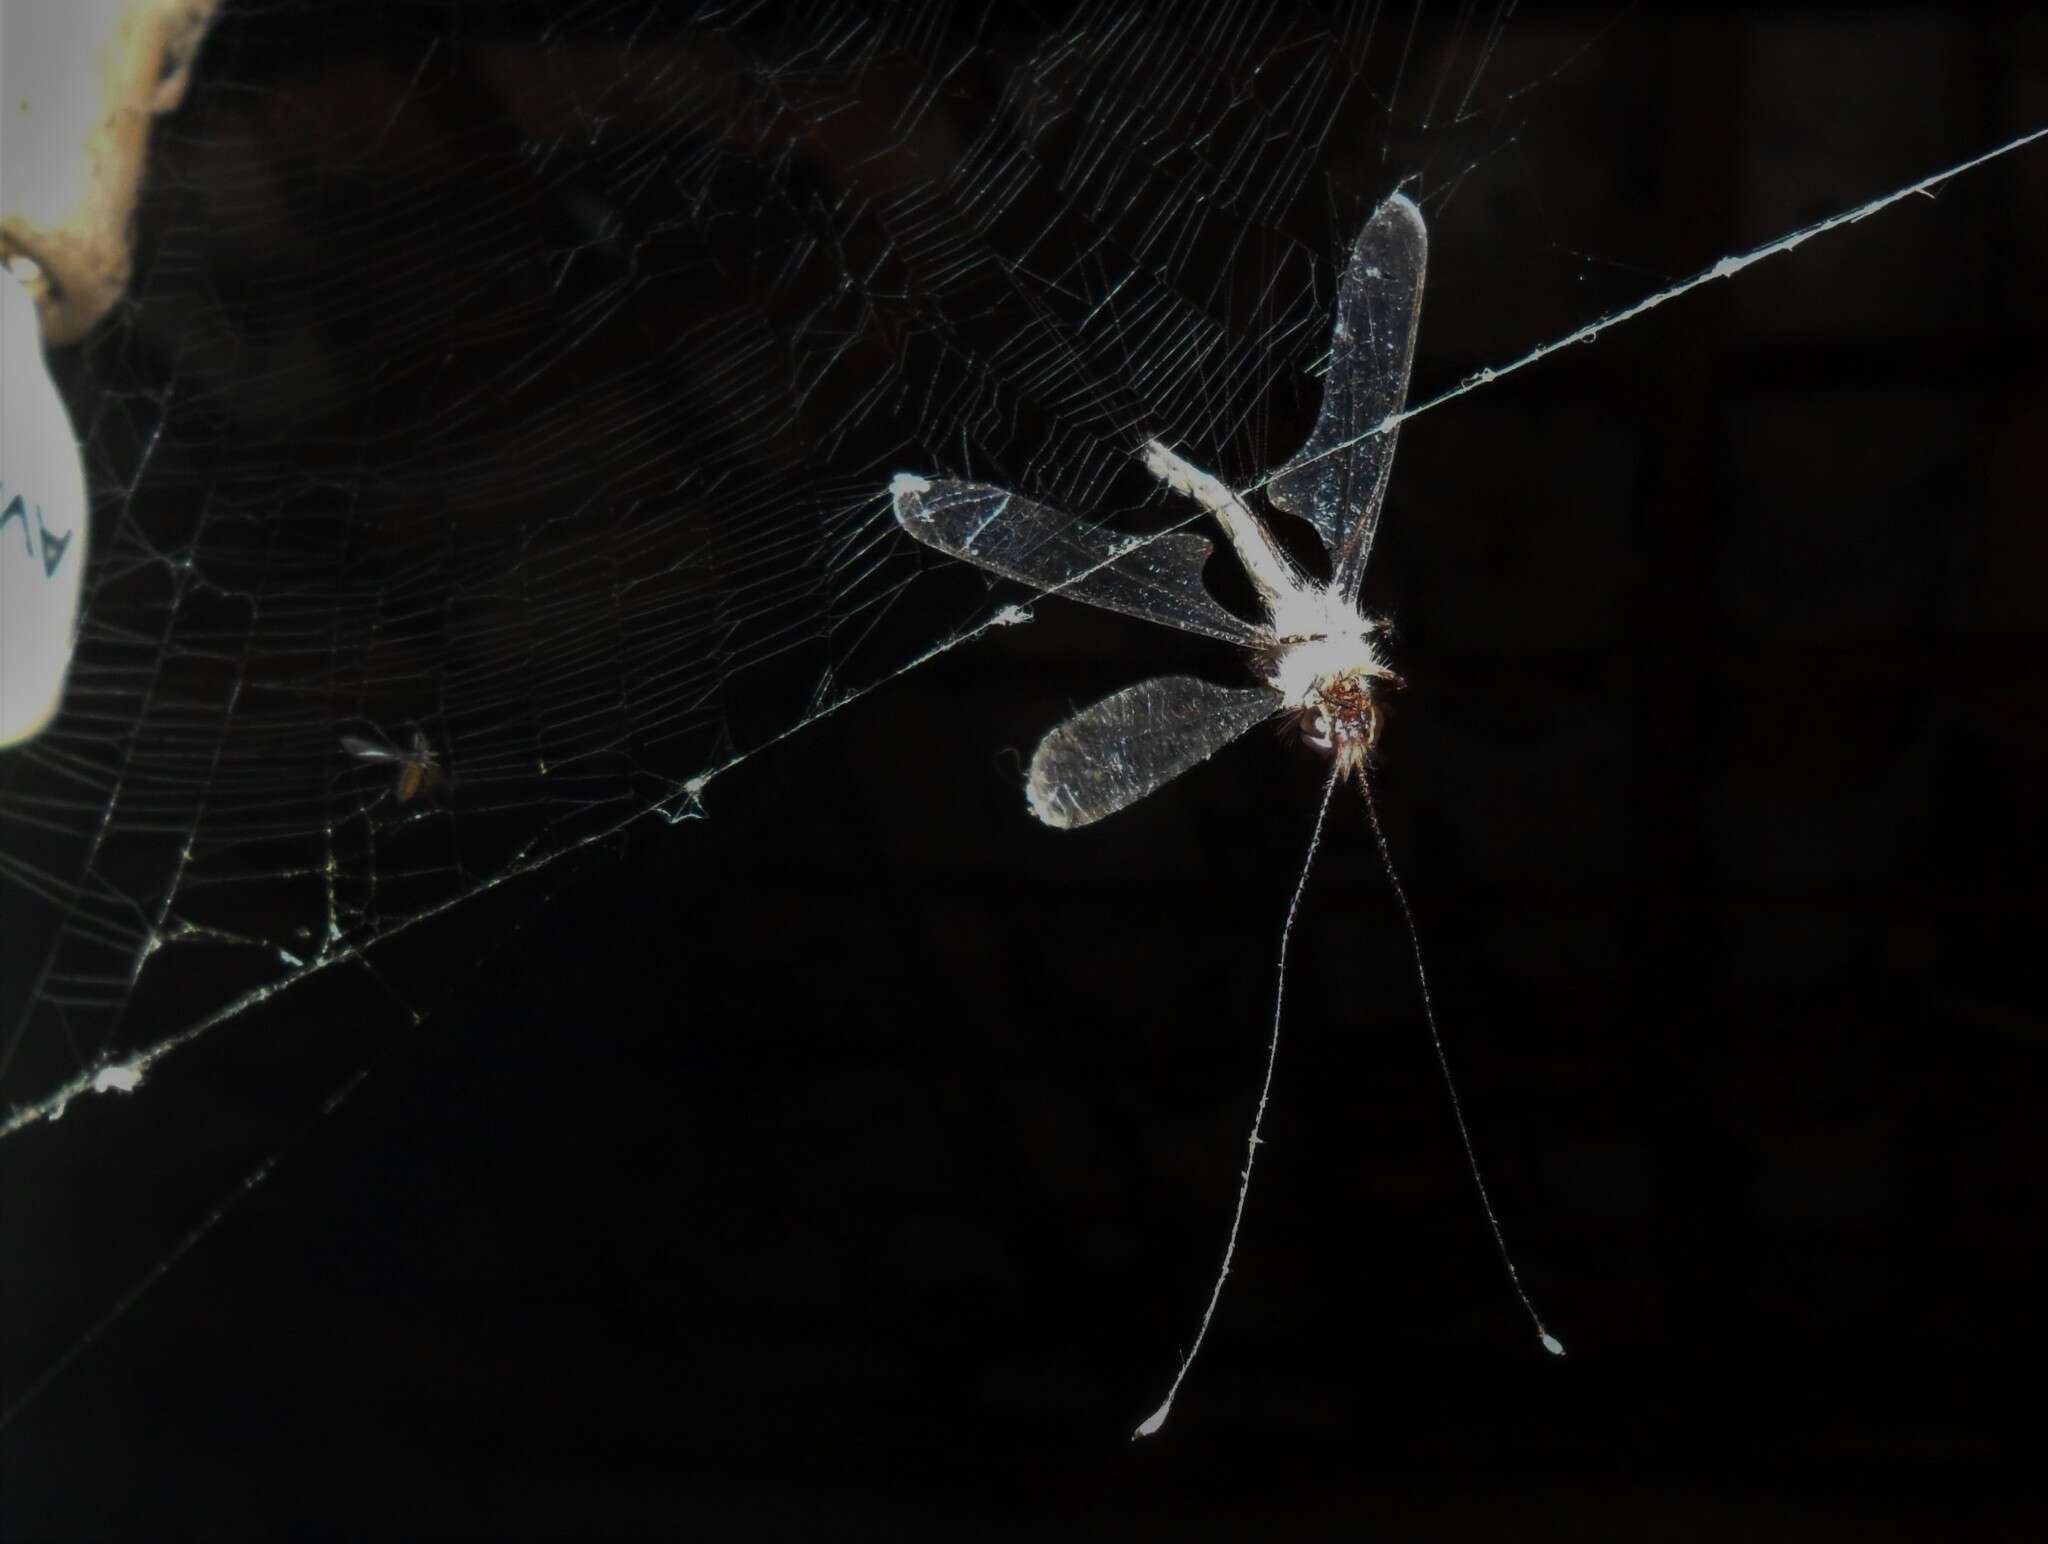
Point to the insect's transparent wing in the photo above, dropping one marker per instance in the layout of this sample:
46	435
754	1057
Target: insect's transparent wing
369	750
1379	302
1019	538
1118	750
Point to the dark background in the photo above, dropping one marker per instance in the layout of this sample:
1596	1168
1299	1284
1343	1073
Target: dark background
860	1155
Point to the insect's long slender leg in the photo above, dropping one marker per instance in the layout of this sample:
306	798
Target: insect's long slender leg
1157	1418
1550	1342
1272	572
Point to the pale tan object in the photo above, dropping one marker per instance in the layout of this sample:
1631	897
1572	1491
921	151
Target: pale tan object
80	81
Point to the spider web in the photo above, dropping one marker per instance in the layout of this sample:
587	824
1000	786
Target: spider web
533	379
531	391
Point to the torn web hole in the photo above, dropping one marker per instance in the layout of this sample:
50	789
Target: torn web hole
557	429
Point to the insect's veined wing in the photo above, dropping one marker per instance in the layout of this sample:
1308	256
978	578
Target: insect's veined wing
369	750
1008	534
1118	750
1379	303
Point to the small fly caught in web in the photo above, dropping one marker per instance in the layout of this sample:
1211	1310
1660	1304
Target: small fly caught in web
419	766
1316	655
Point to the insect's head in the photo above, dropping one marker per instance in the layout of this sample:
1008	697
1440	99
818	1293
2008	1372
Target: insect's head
1334	680
1343	716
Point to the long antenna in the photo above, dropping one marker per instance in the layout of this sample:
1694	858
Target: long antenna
1550	1342
1157	1418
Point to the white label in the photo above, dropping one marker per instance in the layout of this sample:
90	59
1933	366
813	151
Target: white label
42	524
